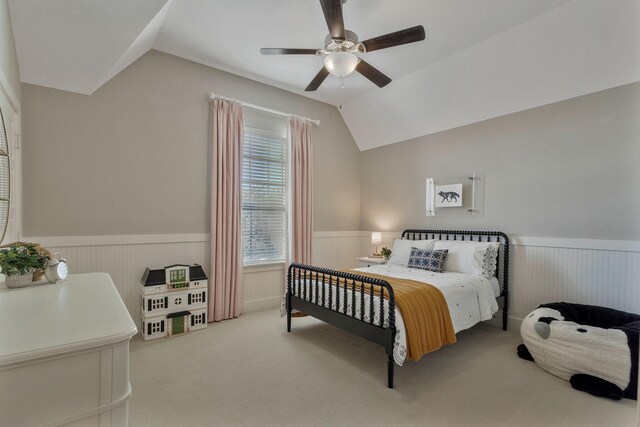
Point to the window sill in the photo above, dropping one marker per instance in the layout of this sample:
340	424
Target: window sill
264	266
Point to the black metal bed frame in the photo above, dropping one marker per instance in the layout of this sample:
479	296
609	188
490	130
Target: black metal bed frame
307	292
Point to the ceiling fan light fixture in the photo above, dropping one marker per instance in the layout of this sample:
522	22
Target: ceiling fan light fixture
341	64
341	45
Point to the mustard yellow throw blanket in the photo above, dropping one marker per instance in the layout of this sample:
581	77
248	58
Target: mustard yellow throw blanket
425	314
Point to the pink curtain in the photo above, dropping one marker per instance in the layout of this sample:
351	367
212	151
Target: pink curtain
301	191
225	283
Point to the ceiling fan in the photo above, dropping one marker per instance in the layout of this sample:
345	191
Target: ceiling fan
340	46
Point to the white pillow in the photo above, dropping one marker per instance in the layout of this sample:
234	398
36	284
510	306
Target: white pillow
401	250
477	258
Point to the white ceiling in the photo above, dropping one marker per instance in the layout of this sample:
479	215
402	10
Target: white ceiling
229	35
75	44
582	47
78	45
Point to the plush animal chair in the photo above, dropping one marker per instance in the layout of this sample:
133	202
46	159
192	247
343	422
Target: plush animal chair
595	348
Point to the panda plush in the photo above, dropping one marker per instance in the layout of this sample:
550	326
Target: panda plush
595	348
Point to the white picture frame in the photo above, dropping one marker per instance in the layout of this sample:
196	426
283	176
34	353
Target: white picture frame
448	196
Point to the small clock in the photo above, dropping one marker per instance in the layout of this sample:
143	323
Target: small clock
56	269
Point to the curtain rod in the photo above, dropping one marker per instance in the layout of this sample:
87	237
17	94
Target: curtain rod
265	109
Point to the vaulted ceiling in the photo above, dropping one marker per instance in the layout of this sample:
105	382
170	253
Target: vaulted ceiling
480	59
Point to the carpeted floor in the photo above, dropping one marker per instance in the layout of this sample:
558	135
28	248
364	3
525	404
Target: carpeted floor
250	372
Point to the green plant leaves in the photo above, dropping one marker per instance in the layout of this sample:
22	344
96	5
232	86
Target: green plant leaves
21	258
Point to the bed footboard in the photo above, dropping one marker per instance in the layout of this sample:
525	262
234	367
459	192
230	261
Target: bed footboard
348	301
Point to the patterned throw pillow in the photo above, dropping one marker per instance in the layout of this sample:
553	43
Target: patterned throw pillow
425	259
490	261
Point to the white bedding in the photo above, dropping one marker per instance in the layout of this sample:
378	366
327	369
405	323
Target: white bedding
471	299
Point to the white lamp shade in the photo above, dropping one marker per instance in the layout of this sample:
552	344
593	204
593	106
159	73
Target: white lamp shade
341	64
376	238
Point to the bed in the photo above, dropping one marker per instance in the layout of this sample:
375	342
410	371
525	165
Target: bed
363	301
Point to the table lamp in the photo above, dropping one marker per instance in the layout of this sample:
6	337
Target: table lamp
376	239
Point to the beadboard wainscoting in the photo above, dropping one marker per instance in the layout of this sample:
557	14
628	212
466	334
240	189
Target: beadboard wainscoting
548	273
125	258
599	272
583	271
263	286
126	262
337	249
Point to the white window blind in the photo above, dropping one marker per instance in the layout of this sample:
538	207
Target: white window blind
264	197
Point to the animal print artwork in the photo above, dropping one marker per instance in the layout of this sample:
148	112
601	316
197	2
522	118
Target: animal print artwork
449	195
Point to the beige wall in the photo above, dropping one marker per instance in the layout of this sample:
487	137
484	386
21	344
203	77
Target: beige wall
8	58
132	157
569	169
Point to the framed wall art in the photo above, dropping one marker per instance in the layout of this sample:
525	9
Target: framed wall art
449	196
459	195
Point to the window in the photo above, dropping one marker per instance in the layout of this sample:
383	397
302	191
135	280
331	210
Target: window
264	196
155	327
197	319
157	303
177	275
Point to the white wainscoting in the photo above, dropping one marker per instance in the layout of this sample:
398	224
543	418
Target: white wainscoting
337	249
598	272
583	271
263	286
126	262
542	274
125	258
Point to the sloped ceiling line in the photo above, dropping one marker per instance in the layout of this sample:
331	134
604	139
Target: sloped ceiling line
75	45
486	59
582	47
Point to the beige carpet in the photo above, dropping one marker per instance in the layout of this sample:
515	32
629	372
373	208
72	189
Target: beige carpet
250	372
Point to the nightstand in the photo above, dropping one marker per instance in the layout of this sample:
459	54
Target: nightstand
368	262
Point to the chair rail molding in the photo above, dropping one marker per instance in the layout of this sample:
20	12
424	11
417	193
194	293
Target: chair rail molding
123	239
596	244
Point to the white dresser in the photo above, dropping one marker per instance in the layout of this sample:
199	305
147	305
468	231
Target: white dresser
64	354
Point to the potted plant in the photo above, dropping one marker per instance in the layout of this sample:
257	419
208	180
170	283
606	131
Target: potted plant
386	252
18	262
38	273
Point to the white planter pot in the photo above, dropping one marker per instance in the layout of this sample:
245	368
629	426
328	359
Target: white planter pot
19	280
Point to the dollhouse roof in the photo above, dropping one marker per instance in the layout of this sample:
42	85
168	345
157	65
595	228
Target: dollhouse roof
196	273
158	277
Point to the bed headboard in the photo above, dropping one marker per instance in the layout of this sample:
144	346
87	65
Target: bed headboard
475	236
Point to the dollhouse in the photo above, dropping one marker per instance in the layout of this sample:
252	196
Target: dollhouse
174	300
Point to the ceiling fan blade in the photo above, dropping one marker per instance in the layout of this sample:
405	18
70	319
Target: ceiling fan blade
372	74
408	35
286	51
317	80
332	10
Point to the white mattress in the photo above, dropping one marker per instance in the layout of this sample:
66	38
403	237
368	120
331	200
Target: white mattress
471	299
